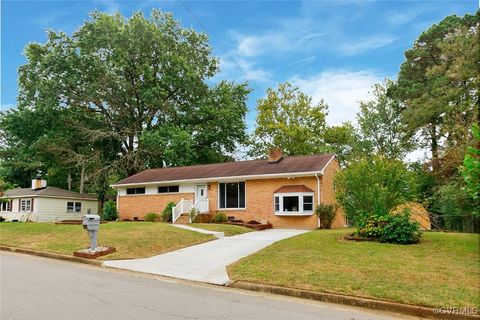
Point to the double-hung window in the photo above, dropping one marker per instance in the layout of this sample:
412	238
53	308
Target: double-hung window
297	203
26	205
74	206
5	206
231	195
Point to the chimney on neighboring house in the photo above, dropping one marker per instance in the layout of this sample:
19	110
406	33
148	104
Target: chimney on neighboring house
275	155
38	183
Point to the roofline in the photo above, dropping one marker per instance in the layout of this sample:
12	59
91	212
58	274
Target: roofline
45	196
251	177
329	161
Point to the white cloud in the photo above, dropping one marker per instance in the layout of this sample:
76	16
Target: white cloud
241	69
340	89
366	44
398	18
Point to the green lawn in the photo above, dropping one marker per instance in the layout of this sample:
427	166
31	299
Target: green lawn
132	239
443	270
228	229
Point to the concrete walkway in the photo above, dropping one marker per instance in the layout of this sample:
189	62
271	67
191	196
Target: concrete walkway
216	234
206	262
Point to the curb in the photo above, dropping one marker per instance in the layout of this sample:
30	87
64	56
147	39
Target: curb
51	255
407	309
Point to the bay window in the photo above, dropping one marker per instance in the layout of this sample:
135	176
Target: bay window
231	195
293	203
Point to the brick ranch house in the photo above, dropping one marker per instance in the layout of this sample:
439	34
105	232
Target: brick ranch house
283	191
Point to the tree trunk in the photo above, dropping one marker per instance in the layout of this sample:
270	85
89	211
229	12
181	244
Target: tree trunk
69	180
82	178
434	148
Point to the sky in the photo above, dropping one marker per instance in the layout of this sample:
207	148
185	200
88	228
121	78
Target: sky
332	50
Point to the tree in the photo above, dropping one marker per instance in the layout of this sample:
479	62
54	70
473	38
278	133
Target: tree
471	168
373	186
288	119
122	95
435	98
381	124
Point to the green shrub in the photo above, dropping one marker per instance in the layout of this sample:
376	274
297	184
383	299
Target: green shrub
400	229
193	214
109	212
152	217
167	212
326	213
219	217
391	228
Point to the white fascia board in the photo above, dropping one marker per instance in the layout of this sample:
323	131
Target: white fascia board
232	178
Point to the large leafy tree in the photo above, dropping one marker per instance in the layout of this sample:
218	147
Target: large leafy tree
288	119
381	124
438	83
123	95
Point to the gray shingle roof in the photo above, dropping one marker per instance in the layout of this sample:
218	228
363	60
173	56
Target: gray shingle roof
47	192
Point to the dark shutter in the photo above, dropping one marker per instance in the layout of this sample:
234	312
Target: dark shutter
31	205
11	206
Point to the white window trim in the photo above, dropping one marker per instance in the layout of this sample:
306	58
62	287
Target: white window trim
74	209
300	196
22	205
5	204
231	209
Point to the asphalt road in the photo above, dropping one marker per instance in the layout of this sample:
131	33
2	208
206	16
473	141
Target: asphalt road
39	288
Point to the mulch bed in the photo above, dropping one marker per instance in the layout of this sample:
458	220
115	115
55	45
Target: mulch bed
95	255
353	237
251	224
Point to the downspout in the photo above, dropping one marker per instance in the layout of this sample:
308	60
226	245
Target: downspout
318	197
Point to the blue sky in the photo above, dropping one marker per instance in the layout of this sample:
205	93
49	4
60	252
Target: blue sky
333	50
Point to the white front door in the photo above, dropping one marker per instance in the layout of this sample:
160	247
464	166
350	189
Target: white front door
201	197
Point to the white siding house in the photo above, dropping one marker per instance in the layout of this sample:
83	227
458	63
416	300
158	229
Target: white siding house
44	204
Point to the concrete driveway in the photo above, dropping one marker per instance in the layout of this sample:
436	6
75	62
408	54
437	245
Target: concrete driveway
206	262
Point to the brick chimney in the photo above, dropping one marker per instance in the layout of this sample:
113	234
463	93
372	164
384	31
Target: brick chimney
38	183
275	155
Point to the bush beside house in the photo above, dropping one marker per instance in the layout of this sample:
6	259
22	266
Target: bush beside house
152	217
368	190
167	212
109	212
326	213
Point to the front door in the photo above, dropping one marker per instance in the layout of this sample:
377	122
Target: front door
201	197
201	192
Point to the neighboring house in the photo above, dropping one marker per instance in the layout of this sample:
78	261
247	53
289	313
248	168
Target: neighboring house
281	190
41	203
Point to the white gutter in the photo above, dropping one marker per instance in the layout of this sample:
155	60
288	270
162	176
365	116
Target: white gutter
318	195
245	177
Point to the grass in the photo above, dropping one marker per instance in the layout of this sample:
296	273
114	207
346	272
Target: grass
131	239
442	270
228	229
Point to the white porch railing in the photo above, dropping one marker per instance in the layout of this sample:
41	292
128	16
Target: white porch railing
201	205
182	207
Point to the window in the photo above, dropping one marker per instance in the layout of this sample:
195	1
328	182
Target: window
232	195
5	206
307	203
168	189
293	203
25	205
136	191
290	203
74	206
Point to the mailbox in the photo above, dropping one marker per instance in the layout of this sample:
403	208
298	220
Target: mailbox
91	223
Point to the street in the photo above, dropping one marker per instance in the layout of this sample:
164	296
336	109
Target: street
39	288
